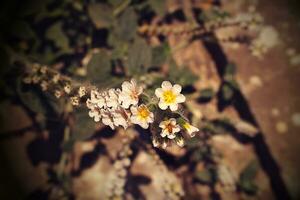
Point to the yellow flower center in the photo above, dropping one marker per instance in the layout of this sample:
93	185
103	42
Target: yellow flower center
169	97
143	112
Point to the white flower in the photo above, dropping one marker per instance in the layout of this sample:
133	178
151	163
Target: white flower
67	89
130	93
112	98
191	130
95	114
81	91
120	117
97	99
141	116
74	101
169	96
169	128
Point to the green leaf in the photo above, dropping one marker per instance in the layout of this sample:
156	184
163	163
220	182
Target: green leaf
230	69
250	171
139	57
100	14
115	2
33	101
207	94
158	6
84	126
99	69
160	54
126	25
21	29
31	7
247	176
204	176
56	34
227	92
182	76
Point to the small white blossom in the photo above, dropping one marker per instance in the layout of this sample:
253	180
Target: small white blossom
57	93
81	91
169	128
95	114
74	101
141	116
44	85
107	118
169	96
120	117
67	89
112	98
43	69
130	93
56	78
191	130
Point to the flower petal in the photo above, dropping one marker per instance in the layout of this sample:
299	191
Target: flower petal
159	92
162	105
176	89
166	85
174	107
171	136
163	134
180	98
176	129
144	125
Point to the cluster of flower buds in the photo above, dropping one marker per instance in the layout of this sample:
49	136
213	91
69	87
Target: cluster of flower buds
52	81
116	183
123	107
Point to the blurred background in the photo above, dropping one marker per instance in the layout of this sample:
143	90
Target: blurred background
241	79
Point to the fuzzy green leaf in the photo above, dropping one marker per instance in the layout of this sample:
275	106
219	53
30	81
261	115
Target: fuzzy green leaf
227	92
126	25
204	176
160	54
84	126
139	57
247	176
158	6
100	14
56	34
182	76
21	29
